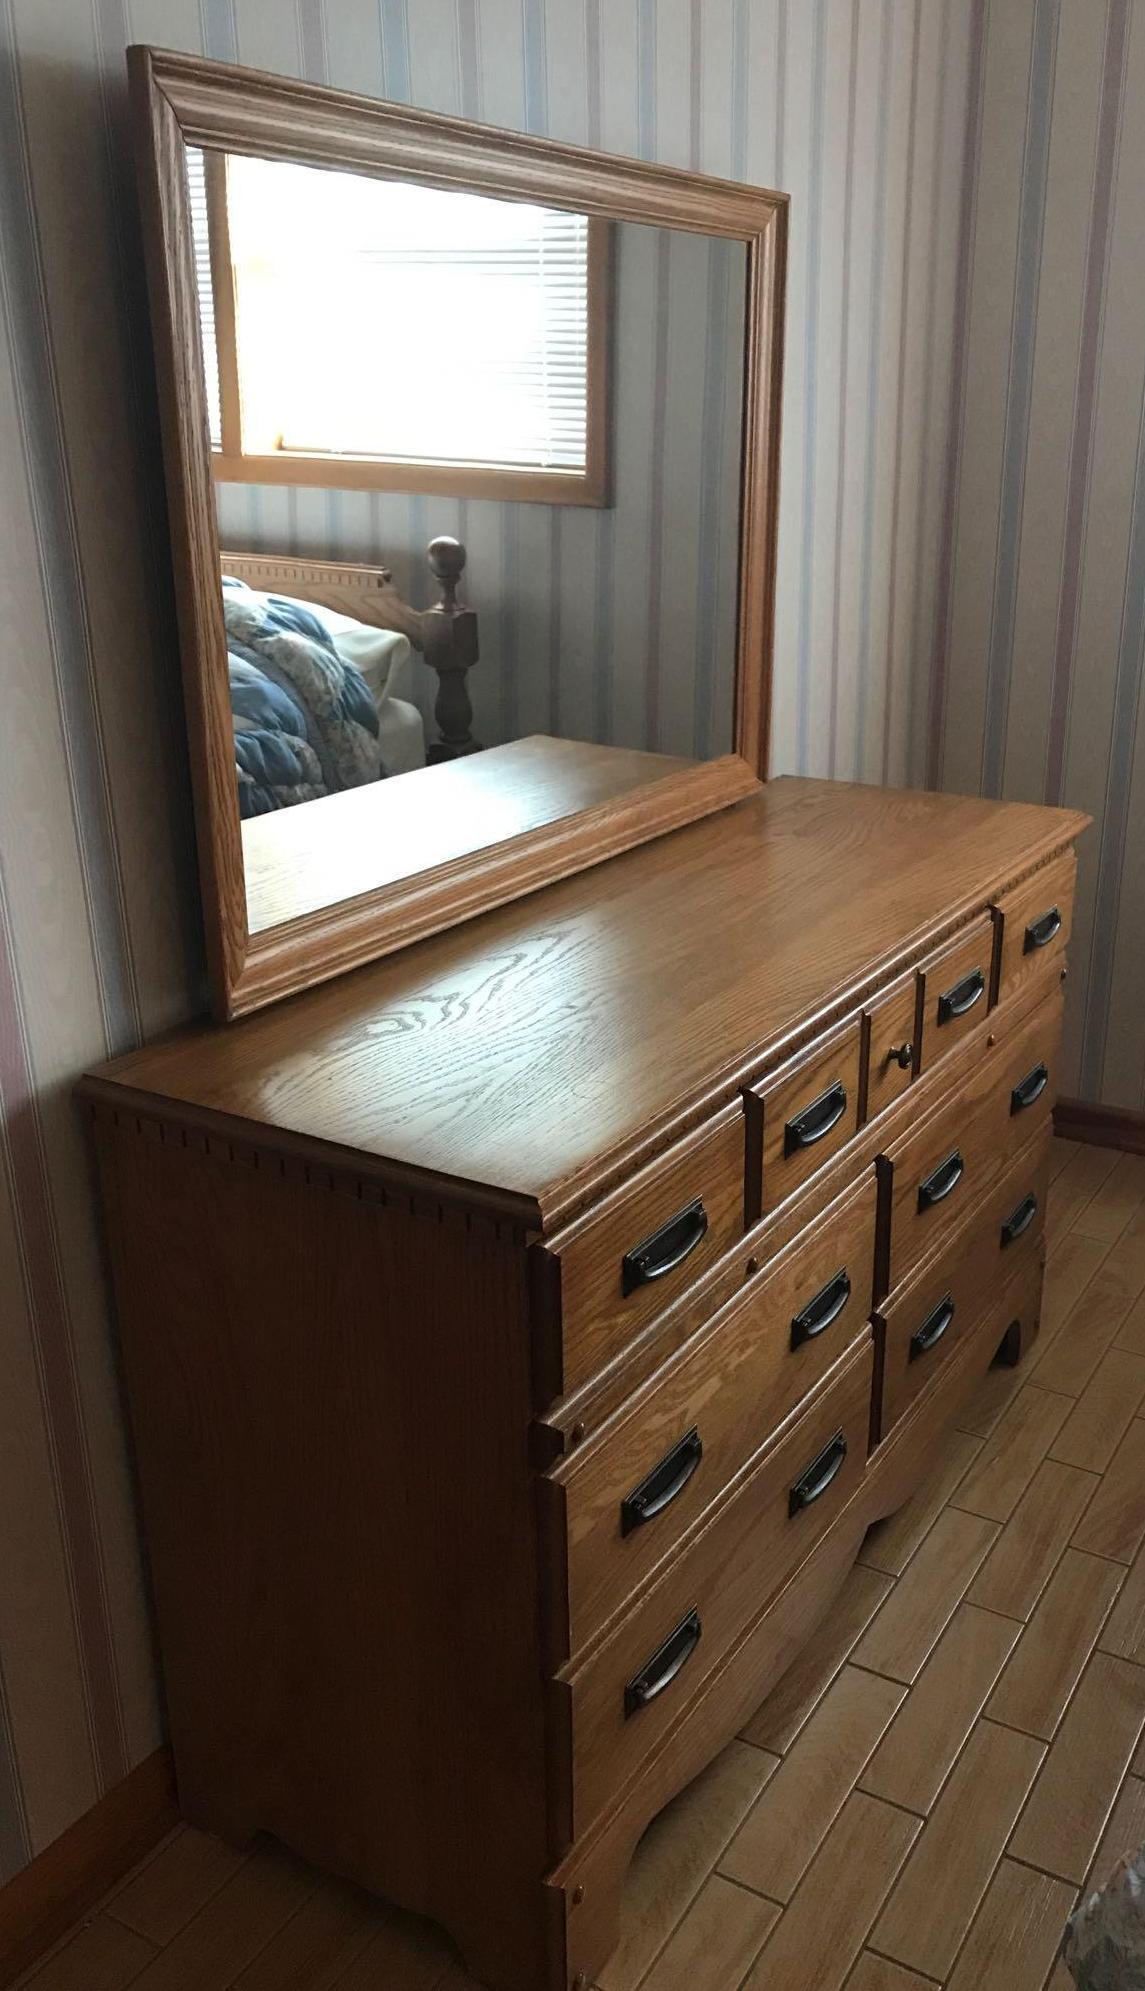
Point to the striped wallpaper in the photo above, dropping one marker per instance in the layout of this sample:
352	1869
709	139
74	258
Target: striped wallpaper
1038	644
961	584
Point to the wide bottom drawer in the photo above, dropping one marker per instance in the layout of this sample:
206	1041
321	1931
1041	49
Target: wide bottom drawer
617	1703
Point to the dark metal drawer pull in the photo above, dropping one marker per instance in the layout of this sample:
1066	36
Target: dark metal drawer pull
933	1328
1042	930
666	1248
816	1120
664	1664
658	1489
818	1314
1029	1088
945	1178
818	1476
1019	1220
962	996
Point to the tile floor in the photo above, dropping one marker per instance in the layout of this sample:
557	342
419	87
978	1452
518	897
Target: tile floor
921	1798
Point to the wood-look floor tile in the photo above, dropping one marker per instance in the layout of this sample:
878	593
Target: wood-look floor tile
718	1940
981	1416
677	1853
407	1953
1075	1187
1030	1545
1091	1330
1131	1333
1114	1521
101	1955
818	1937
914	1757
234	1925
1120	1198
1061	1148
778	1720
1016	1934
1124	1633
890	1544
160	1898
1102	1415
1123	1836
1063	1822
940	1888
781	1834
1013	1452
1122	1193
878	1973
315	1948
1052	1652
925	1598
1068	1273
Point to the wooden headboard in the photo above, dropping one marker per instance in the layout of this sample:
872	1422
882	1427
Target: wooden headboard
367	593
446	634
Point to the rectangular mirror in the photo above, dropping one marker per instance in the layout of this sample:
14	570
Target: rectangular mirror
471	445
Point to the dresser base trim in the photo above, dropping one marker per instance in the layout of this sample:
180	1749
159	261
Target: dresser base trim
1101	1126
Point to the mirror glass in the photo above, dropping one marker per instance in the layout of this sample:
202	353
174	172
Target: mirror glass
477	469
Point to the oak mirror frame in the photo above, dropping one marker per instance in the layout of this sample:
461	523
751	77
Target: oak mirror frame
182	102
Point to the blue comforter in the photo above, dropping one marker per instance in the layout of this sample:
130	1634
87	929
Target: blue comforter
305	724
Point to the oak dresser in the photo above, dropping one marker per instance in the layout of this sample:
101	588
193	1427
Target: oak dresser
522	1332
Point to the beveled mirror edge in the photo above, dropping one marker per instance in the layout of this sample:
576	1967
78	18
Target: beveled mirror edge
179	99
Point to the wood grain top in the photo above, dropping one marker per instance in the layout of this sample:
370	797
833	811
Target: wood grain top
537	1052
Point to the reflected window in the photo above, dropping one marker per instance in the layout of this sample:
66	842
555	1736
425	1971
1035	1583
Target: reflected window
379	334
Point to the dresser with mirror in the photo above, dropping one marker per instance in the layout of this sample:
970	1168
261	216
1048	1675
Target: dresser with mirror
608	1170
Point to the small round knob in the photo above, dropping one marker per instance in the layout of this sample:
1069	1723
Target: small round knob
902	1056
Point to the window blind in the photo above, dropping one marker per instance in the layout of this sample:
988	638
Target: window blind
375	318
201	238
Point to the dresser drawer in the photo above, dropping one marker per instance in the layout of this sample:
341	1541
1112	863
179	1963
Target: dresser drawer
891	1044
624	1501
621	1699
1026	1085
805	1112
931	1317
955	990
608	1274
1035	923
1017	1212
938	1173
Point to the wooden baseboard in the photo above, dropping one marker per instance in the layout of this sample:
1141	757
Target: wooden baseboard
43	1900
1101	1126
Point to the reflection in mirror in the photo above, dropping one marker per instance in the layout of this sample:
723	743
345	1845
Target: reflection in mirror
477	467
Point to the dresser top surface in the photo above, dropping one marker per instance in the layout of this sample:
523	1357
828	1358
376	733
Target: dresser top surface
536	1052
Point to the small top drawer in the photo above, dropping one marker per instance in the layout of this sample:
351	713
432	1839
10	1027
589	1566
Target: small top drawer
622	1502
891	1032
603	1278
1035	921
955	990
805	1112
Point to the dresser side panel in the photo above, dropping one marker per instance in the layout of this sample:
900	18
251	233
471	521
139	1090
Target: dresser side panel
330	1399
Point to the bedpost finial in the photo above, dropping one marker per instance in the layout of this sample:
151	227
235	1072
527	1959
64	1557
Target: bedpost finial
447	562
